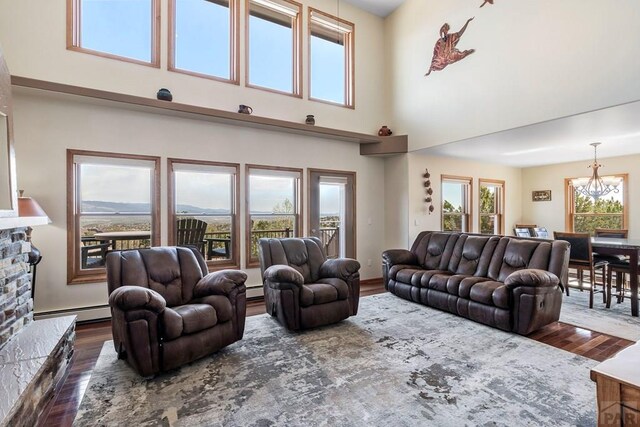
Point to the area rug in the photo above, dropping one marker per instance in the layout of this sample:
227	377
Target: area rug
616	321
396	363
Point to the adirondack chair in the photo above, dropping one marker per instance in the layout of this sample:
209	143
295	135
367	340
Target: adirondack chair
190	232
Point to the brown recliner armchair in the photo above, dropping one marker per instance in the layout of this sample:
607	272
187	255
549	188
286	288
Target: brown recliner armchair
302	288
167	310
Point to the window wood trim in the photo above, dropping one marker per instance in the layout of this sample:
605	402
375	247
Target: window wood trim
350	65
234	38
74	35
75	275
469	198
296	52
249	262
569	201
234	262
338	173
502	202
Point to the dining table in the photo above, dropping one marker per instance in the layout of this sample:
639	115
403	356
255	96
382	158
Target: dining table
626	247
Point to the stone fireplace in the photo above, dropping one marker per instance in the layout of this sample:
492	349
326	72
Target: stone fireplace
34	355
16	304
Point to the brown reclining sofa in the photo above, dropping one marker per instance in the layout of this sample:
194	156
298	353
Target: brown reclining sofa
510	283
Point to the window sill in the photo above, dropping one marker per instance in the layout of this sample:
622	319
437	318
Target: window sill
153	64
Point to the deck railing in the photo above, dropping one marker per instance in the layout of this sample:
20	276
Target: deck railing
330	238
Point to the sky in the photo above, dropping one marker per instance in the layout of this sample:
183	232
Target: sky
452	192
123	27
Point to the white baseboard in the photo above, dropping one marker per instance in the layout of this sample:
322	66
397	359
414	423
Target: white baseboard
83	314
87	314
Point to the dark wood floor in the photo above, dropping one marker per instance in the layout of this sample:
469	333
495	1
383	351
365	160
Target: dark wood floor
91	337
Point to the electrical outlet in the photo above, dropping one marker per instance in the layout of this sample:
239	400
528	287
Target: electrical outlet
369	263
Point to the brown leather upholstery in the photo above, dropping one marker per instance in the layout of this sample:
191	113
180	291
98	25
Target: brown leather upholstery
302	288
506	282
168	310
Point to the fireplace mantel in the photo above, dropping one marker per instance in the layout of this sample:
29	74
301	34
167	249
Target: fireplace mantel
19	222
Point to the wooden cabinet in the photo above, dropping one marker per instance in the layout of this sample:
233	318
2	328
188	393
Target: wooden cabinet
618	389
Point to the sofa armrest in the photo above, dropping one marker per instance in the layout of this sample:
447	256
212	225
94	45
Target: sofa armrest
283	277
127	298
533	278
340	268
399	256
222	282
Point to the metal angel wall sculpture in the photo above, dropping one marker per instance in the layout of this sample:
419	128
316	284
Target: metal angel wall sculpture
445	52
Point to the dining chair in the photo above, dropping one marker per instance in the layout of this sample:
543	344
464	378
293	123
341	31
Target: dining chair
541	232
522	232
581	258
618	264
190	232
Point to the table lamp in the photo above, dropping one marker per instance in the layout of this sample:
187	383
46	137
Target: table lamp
28	207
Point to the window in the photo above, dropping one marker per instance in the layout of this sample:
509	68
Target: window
203	38
122	29
456	203
331	59
585	214
113	204
274	206
203	209
273	45
491	206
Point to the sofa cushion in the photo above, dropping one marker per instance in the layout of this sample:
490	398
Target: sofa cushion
464	289
188	319
222	305
395	269
434	251
439	281
453	284
324	291
472	254
490	293
406	274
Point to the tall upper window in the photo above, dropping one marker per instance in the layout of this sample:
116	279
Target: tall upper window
123	29
203	38
456	203
331	58
274	205
113	204
585	214
203	209
491	206
273	53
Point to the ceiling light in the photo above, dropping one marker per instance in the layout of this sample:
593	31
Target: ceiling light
596	186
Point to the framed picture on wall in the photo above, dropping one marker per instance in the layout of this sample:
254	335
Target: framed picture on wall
541	196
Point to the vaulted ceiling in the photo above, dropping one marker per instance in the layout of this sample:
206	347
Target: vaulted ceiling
381	8
555	141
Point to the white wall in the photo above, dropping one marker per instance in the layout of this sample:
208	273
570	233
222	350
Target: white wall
33	37
396	202
46	125
535	60
419	218
552	214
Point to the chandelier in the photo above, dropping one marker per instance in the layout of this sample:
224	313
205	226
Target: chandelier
596	186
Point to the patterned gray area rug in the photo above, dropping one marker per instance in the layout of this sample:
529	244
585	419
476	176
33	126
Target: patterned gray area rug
395	364
616	321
